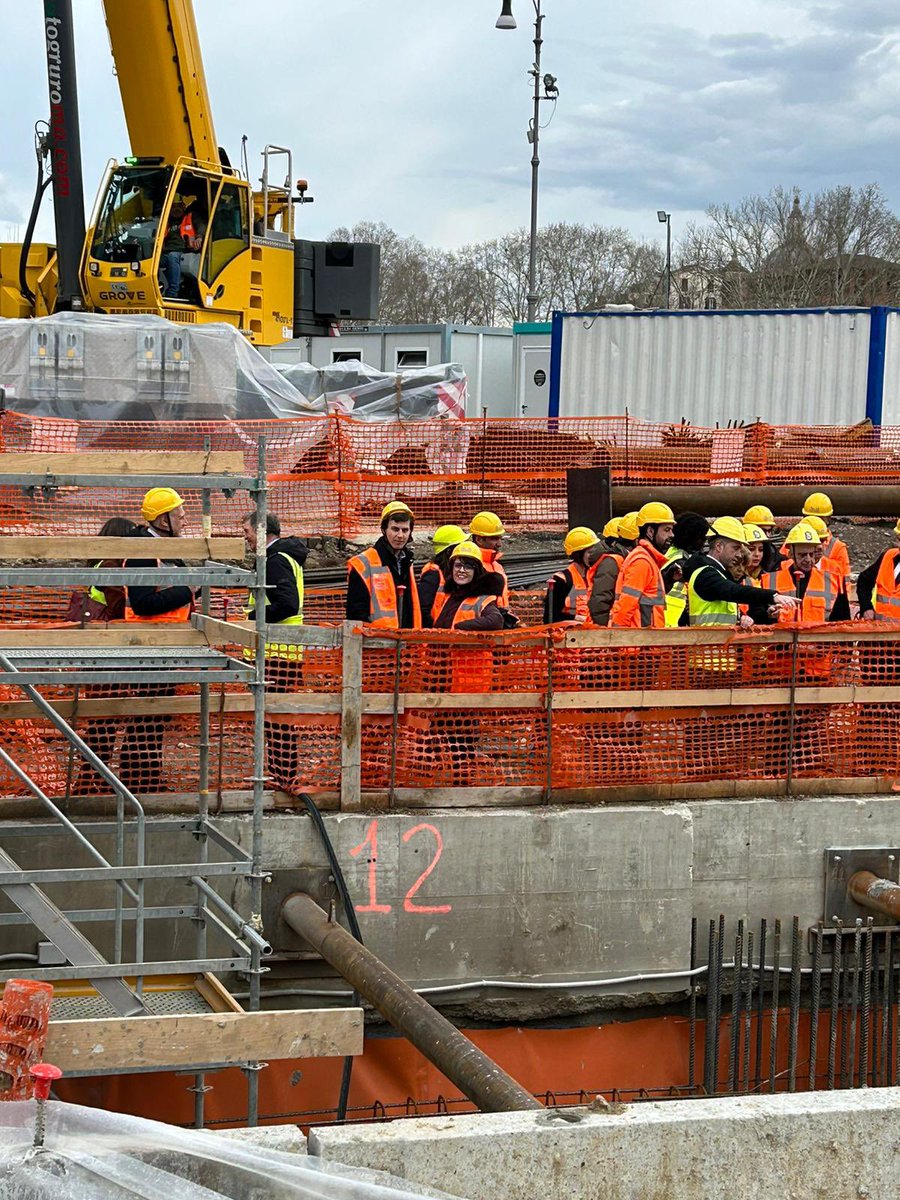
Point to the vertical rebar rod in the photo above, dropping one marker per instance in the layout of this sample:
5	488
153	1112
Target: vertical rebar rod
720	989
877	1009
814	1007
735	1031
794	1026
744	1060
848	1076
693	1009
887	1017
776	972
760	1004
709	1030
835	1004
866	1022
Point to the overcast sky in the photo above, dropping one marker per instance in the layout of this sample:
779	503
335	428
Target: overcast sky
414	112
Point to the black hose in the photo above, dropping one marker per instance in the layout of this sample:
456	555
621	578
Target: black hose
40	188
353	923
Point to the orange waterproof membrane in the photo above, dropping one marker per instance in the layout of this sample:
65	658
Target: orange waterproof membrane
331	476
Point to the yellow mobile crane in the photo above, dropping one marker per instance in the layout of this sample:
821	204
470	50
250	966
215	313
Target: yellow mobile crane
176	230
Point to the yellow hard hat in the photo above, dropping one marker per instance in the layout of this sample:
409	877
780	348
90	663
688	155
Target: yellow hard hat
448	535
802	535
818	505
817	524
159	501
655	513
611	528
897	529
394	509
486	524
758	514
754	533
579	538
730	528
467	550
628	527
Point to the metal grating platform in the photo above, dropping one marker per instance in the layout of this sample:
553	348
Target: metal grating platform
157	1003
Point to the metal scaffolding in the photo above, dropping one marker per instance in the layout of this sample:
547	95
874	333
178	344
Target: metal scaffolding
120	853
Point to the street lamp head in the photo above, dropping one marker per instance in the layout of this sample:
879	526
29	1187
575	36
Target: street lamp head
662	216
506	20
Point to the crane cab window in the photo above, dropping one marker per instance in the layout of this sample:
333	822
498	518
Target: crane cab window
229	231
130	213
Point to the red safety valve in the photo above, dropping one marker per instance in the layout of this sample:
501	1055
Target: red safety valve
44	1076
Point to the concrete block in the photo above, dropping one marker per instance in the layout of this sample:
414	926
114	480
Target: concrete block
794	1147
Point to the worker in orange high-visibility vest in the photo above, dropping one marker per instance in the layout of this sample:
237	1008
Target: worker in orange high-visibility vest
487	532
815	581
434	574
817	510
381	583
569	590
619	538
878	586
640	601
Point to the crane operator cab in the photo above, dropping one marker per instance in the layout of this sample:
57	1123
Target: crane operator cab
193	243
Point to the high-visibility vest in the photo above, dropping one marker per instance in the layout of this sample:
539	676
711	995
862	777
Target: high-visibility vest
176	616
709	612
440	596
283	649
491	560
886	596
677	595
383	606
471	607
575	605
838	555
651	606
822	591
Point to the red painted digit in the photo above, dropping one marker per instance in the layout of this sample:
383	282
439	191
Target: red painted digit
408	905
371	839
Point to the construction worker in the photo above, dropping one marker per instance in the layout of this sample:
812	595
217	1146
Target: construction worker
568	590
688	538
471	593
618	540
812	580
436	573
713	596
106	604
819	505
640	601
878	586
141	755
487	533
381	583
763	556
759	514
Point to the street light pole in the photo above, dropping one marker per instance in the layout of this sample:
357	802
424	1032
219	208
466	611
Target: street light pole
507	21
663	216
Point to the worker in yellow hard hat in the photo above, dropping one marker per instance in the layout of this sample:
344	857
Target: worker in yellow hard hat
640	592
487	533
713	596
471	596
141	754
568	590
628	529
819	510
812	579
761	515
435	573
878	586
762	555
381	583
604	562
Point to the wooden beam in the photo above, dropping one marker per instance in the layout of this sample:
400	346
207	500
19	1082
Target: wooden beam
578	638
123	462
351	717
225	633
96	549
103	636
122	1044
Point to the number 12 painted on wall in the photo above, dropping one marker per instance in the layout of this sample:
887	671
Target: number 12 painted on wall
371	840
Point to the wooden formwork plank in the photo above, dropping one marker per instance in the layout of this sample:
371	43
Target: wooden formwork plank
98	549
123	462
103	636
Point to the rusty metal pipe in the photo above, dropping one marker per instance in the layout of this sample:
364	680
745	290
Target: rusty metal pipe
875	894
851	501
476	1075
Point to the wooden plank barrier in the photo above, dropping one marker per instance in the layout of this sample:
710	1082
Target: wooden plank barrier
96	549
122	462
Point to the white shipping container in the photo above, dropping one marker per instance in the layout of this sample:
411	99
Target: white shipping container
792	367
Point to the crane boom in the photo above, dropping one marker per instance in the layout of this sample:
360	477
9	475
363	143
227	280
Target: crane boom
161	79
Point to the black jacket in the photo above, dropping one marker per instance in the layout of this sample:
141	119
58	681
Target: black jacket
714	584
151	601
282	598
865	583
488	584
400	566
430	583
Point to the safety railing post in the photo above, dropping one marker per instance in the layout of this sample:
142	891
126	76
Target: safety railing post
351	715
792	715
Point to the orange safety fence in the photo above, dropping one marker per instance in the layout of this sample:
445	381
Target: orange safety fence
543	709
331	476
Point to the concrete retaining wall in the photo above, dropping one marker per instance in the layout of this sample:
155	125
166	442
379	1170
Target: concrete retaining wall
801	1147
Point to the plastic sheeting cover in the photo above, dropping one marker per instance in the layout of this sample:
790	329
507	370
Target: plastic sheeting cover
88	366
90	1154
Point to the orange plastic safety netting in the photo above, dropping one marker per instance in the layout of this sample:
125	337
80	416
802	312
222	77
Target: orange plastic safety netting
333	475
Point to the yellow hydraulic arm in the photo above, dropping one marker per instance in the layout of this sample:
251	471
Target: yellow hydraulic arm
161	79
